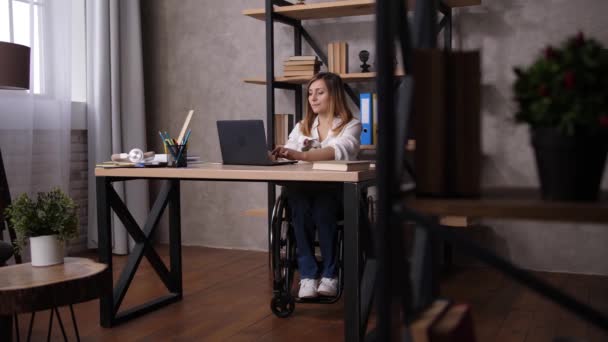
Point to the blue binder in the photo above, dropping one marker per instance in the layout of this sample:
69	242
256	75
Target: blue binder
365	100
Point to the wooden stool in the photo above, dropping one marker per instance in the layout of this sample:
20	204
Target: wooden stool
24	288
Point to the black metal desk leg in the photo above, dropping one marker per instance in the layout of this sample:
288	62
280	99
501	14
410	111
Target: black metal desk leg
6	327
104	247
175	238
352	268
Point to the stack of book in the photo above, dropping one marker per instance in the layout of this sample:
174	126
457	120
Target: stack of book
337	57
298	66
342	165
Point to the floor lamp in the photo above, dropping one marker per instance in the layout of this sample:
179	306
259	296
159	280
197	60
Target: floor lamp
14	75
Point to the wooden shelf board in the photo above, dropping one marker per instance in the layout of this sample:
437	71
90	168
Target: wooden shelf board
256	212
336	9
350	77
514	203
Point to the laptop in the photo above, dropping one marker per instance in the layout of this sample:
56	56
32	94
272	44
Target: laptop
243	142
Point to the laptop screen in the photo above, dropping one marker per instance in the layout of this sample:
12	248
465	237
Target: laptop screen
243	142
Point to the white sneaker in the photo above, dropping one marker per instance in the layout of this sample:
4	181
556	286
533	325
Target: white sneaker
328	287
308	288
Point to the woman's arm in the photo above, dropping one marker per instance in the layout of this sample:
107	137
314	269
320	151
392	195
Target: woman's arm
326	153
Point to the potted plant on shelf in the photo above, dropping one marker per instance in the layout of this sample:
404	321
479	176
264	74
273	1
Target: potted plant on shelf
563	96
48	222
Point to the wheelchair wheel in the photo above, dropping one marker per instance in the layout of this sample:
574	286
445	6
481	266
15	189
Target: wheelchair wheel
282	247
283	306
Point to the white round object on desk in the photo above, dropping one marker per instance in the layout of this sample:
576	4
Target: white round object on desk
136	155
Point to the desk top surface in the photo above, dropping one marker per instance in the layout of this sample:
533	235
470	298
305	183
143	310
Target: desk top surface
216	171
26	276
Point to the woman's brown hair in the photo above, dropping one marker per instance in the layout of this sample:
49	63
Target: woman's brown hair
337	102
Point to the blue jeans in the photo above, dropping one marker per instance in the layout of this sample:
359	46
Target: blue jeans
321	208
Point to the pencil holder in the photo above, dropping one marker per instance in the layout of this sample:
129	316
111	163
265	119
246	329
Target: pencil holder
179	155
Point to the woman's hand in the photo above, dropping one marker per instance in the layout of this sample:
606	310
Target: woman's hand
287	153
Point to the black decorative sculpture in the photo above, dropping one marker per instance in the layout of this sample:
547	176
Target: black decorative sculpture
364	57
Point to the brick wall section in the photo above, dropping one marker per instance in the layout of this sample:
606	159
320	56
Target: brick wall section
79	186
42	160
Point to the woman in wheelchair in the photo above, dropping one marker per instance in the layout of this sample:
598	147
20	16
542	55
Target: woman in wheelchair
328	132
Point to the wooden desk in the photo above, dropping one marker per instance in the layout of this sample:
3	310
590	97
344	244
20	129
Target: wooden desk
24	288
356	300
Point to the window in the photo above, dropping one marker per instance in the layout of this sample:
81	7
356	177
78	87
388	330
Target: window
23	21
20	23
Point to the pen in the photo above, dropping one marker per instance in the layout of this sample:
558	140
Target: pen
163	140
185	140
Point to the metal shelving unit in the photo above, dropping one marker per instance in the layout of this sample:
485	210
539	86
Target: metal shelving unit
399	299
290	14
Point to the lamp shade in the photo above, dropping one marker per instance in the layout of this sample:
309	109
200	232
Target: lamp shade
14	66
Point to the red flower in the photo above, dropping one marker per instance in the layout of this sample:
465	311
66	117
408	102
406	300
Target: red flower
569	80
549	53
543	91
603	121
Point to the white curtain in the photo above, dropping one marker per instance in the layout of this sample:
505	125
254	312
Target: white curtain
115	103
35	125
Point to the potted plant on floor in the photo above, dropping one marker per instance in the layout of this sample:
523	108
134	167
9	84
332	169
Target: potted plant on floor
563	96
48	222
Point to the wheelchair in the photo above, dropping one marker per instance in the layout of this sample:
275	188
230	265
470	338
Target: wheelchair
283	256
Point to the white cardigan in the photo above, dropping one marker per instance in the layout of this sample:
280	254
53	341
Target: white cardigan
346	143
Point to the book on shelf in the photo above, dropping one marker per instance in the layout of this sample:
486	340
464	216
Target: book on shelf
342	165
334	59
302	58
447	158
330	58
292	63
428	122
299	67
343	57
375	118
366	117
337	57
463	123
283	124
299	73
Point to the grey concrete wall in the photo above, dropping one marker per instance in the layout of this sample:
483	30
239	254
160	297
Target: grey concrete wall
197	52
511	33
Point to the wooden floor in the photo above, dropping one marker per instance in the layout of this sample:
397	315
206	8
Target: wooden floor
227	294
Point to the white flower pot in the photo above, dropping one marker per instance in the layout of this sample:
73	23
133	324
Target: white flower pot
46	250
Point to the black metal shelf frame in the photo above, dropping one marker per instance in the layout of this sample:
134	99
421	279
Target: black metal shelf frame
385	76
